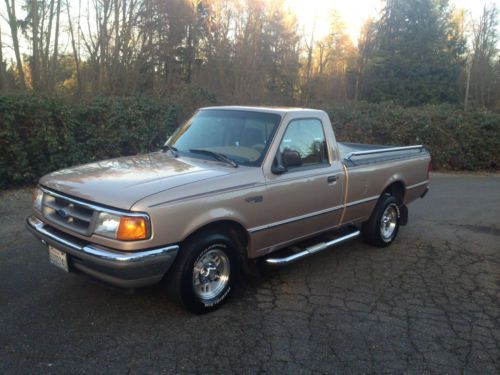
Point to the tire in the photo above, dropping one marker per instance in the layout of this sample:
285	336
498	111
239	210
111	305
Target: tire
205	271
383	226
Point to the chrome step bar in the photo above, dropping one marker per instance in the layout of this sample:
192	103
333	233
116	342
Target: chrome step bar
311	250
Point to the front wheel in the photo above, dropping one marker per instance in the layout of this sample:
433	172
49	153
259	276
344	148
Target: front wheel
203	276
382	227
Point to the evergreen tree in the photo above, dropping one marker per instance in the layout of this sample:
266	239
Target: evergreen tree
418	56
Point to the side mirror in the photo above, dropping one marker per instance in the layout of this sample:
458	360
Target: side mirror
291	159
278	169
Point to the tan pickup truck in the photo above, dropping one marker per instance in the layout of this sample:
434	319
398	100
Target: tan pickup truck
232	186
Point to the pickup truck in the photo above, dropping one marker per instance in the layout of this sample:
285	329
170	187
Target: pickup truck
231	187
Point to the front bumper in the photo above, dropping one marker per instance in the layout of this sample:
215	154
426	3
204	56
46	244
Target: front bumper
118	268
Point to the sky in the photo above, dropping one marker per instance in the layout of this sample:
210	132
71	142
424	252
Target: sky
356	12
353	12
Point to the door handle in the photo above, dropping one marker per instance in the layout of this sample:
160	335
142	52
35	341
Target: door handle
331	179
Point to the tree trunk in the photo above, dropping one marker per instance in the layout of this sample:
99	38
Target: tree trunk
11	12
75	52
467	87
189	54
2	68
116	83
35	69
46	57
310	49
103	44
55	56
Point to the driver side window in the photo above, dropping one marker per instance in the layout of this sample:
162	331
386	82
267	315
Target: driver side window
307	138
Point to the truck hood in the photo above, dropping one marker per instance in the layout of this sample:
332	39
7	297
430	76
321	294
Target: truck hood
123	181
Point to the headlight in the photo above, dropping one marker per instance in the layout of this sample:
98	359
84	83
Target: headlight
107	225
125	228
37	198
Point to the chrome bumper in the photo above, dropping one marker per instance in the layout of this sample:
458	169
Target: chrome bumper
119	268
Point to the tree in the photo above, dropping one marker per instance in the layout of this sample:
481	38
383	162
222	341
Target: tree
281	53
13	24
333	58
52	69
418	56
481	75
2	64
73	45
306	86
366	47
35	58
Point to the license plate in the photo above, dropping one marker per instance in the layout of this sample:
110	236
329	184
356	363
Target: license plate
58	258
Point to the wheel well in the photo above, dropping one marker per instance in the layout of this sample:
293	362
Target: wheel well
230	227
397	190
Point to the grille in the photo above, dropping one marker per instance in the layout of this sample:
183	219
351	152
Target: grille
68	214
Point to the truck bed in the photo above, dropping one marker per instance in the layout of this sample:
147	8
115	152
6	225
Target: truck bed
352	153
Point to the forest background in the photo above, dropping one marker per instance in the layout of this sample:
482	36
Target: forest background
84	80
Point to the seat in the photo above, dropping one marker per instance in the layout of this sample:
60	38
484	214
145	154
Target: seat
251	137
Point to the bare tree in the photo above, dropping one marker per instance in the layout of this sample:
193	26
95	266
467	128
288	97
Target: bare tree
480	70
366	45
309	49
46	56
229	50
35	68
73	45
13	23
2	65
55	55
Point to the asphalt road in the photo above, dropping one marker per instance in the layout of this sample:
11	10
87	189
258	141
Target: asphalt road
428	304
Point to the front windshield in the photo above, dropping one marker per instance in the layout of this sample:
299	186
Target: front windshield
242	136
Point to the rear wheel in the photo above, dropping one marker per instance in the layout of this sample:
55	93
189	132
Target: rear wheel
205	271
382	227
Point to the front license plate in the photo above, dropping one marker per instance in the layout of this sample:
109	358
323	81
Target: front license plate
58	258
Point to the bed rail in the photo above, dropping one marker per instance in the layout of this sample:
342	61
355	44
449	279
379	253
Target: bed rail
382	150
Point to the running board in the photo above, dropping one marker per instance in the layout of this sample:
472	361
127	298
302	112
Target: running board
311	250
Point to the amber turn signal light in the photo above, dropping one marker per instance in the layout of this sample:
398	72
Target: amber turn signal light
132	229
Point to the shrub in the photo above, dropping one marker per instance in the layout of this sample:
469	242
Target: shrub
40	134
457	140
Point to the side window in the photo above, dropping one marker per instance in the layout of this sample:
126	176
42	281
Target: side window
308	139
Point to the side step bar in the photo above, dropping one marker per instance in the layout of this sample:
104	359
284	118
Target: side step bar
311	250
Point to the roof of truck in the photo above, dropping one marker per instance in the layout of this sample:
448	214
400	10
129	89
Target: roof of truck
270	109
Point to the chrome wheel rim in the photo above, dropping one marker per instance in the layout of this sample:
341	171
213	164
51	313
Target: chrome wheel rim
388	222
211	274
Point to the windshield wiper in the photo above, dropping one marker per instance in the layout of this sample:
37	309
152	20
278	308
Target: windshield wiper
172	149
215	155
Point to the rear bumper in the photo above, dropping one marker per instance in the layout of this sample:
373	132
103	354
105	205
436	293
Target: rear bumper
118	268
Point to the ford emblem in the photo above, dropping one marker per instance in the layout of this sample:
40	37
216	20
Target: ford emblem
62	212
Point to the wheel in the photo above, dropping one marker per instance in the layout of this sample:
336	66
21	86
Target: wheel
382	227
205	271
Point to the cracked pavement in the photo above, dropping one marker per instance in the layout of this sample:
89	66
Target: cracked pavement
430	303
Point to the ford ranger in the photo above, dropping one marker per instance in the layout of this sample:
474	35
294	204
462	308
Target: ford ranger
230	187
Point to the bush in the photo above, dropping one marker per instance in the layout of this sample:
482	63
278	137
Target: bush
457	140
40	134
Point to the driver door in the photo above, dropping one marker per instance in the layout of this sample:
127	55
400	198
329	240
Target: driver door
305	198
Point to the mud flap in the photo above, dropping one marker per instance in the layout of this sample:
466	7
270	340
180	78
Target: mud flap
403	215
